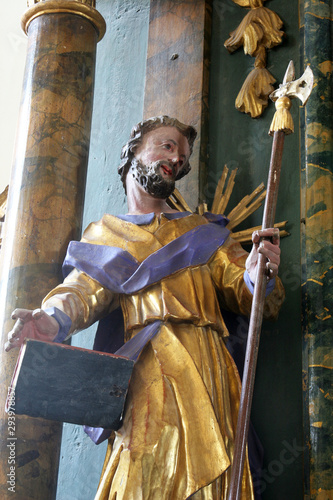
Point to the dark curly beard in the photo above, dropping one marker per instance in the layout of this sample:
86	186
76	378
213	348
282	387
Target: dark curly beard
150	178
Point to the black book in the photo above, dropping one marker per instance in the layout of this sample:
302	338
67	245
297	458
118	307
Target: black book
69	384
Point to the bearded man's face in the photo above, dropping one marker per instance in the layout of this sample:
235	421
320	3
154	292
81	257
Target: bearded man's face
164	152
150	178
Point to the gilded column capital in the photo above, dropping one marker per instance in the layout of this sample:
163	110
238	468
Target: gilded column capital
92	3
83	8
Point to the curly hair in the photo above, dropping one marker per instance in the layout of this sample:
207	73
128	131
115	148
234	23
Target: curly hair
142	128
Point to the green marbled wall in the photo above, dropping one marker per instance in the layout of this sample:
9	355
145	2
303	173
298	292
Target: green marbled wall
317	253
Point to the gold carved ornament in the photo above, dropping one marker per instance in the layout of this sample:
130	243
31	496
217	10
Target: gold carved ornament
260	30
238	214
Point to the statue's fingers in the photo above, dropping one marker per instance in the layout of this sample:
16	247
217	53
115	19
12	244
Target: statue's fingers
256	237
38	313
268	272
11	344
270	234
23	314
8	346
11	336
276	236
17	329
271	270
270	251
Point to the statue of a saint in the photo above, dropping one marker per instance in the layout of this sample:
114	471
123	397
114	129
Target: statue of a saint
173	269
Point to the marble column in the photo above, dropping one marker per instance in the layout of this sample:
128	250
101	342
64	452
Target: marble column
317	252
44	209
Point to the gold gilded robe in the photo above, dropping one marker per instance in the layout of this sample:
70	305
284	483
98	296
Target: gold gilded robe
180	416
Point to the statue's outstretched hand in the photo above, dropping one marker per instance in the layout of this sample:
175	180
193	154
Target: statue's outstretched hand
35	324
269	247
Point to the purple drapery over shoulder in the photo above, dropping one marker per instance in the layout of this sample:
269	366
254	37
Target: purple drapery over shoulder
120	272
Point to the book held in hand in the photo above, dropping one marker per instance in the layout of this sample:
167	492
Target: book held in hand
70	384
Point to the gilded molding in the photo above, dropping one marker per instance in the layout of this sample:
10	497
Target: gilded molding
84	8
92	3
260	30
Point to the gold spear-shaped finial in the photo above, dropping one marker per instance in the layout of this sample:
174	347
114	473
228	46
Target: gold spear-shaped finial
282	96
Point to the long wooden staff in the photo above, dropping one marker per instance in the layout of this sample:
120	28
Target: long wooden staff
282	125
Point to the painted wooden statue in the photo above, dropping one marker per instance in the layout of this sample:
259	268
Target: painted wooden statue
172	270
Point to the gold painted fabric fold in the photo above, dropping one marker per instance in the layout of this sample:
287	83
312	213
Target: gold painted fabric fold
180	417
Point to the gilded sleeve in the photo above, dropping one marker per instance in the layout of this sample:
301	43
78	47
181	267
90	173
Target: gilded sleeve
227	267
82	298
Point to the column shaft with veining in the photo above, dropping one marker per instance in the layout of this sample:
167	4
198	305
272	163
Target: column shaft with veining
44	209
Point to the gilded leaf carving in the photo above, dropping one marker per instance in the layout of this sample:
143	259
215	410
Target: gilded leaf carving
252	97
252	35
260	26
259	30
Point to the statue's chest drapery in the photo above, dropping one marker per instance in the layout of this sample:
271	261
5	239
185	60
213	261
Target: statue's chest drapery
142	237
186	296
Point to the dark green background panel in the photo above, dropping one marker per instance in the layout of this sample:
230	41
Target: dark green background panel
240	141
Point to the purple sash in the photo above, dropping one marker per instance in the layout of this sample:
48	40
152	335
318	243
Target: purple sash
120	272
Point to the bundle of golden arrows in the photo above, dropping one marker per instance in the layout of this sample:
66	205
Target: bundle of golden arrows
244	209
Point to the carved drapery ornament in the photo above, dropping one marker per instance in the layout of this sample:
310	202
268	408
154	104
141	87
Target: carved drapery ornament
260	30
